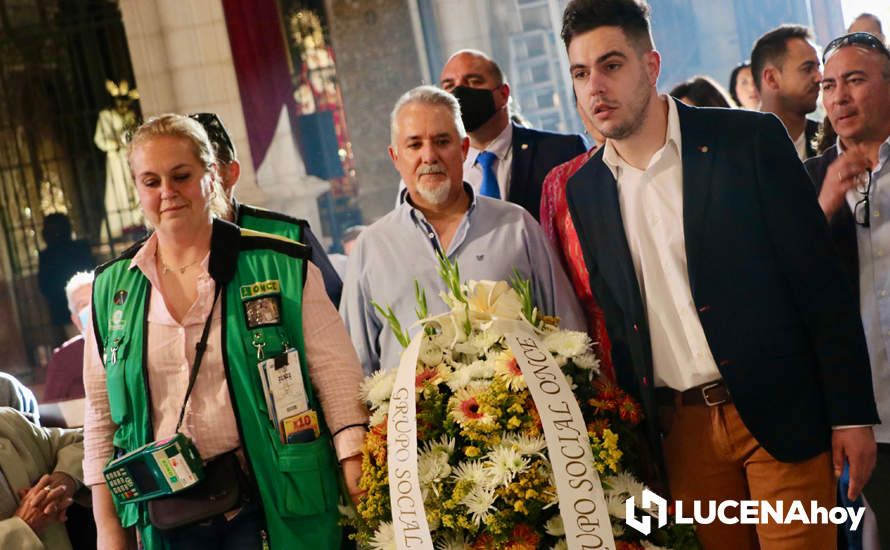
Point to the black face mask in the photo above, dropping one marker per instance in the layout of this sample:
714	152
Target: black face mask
476	106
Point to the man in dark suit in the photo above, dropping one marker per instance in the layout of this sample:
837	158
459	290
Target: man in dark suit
724	300
853	192
505	159
785	68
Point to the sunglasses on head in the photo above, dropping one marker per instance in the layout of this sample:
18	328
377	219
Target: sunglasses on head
864	39
216	132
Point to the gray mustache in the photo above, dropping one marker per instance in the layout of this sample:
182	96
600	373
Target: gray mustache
431	169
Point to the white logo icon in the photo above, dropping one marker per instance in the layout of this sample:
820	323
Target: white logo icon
644	525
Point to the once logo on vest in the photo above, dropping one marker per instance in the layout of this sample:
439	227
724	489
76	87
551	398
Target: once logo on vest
261	288
117	320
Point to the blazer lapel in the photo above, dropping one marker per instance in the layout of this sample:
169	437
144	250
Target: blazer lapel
521	166
698	163
593	197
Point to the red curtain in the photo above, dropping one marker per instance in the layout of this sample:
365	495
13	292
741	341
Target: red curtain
260	59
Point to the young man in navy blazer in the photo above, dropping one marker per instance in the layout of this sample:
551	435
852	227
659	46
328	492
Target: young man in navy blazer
725	302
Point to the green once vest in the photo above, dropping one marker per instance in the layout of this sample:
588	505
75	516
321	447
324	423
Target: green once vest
297	483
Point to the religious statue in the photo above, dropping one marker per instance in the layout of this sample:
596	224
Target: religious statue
121	204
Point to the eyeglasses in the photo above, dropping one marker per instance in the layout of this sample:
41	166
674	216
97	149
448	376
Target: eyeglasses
218	135
861	210
864	39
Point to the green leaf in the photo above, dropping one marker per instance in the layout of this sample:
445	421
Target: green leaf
393	321
523	288
450	273
422	310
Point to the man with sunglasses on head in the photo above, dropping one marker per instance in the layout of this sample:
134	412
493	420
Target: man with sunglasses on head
259	219
853	178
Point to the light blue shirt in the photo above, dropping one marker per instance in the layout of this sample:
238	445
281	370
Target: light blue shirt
494	237
874	285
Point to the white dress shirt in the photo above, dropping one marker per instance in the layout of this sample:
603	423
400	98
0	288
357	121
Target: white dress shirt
502	147
651	203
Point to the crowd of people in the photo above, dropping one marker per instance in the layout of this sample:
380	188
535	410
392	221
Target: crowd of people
726	253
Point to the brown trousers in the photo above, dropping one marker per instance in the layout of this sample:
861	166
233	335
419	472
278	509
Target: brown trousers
711	455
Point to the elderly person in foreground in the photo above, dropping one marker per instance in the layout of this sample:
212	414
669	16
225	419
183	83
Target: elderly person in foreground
41	470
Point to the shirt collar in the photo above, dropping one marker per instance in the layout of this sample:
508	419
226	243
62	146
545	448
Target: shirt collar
144	260
417	214
673	140
500	146
883	152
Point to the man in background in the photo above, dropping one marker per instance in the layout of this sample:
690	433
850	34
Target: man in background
853	178
786	72
505	160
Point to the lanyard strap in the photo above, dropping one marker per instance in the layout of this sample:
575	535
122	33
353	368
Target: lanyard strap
200	347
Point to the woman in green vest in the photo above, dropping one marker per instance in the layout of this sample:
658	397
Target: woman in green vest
185	324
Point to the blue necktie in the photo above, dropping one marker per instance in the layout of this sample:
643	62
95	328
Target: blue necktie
489	187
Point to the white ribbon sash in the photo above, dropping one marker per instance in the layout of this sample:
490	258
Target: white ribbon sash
582	503
406	500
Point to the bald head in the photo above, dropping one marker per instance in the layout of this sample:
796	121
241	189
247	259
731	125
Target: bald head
470	68
867	22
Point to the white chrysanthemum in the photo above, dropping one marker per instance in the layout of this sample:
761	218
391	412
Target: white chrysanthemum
377	416
479	503
453	541
463	375
617	529
377	388
484	340
624	484
384	537
525	444
504	463
561	544
554	526
473	472
587	361
444	444
567	343
433	466
616	507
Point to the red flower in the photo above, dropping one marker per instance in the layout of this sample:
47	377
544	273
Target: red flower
484	542
625	545
629	410
597	426
523	538
425	375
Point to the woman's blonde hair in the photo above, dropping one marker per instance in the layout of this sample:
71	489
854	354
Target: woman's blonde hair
181	126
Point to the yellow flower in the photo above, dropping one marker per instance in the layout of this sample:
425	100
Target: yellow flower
471	451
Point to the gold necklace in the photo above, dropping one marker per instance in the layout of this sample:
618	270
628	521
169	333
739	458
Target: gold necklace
181	270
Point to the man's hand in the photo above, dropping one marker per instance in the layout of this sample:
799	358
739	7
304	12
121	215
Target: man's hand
856	446
844	174
43	504
352	473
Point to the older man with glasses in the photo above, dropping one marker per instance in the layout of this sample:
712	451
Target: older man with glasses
853	178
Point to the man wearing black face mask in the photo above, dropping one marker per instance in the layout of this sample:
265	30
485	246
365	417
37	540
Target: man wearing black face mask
505	160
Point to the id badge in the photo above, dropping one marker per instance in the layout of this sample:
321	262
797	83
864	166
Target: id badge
283	385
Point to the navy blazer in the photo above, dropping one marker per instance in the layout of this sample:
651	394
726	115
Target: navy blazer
779	318
842	224
535	153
